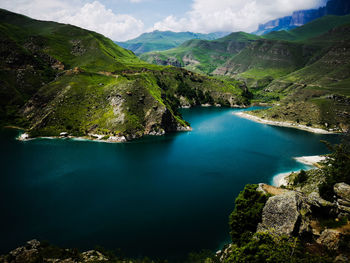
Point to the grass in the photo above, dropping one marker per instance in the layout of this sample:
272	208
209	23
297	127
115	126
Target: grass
162	40
209	54
103	88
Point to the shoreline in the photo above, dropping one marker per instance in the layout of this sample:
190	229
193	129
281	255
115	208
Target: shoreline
282	124
93	137
311	162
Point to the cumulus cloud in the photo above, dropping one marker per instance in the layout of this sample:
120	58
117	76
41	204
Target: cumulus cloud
232	15
96	17
89	15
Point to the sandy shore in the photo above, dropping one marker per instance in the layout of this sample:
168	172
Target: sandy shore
282	124
282	178
310	160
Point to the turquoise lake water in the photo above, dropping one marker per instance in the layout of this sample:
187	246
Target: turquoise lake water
159	196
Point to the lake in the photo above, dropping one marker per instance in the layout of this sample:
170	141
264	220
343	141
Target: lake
157	196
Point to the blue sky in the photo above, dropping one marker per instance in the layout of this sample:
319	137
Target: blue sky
126	19
150	11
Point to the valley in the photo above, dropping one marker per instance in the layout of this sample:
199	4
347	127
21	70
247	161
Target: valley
302	73
134	151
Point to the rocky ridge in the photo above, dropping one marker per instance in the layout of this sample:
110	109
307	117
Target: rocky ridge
35	251
300	212
301	17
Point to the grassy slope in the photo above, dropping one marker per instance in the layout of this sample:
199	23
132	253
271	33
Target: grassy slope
299	69
201	55
63	78
162	40
318	94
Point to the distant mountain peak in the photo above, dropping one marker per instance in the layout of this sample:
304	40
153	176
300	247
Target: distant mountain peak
164	40
301	17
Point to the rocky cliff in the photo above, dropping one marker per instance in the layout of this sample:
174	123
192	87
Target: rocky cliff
301	17
61	80
296	223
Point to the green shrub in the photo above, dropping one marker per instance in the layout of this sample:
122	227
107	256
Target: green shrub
300	178
263	247
247	213
336	168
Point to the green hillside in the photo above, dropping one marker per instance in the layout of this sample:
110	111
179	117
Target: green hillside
163	40
60	78
317	94
298	69
200	55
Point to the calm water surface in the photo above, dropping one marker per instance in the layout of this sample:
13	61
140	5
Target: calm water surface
159	196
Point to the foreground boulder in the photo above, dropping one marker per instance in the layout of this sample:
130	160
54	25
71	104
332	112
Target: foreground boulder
342	191
282	214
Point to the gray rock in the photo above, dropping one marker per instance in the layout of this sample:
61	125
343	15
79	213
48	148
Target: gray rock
343	202
26	253
330	238
344	208
343	191
93	256
285	215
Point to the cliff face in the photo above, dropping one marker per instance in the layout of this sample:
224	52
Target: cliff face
301	17
59	79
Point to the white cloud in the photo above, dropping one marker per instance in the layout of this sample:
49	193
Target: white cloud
96	17
86	14
232	15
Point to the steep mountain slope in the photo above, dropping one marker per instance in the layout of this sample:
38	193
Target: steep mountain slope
163	40
302	17
310	30
317	94
304	70
58	78
200	55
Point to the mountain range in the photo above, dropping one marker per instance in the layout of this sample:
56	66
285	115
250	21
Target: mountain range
163	40
302	69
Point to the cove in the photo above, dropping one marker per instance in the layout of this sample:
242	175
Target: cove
161	197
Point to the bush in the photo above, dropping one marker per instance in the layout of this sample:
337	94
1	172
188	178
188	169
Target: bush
263	247
300	178
247	213
336	168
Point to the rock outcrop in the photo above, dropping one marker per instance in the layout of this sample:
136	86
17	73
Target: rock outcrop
34	251
283	214
342	191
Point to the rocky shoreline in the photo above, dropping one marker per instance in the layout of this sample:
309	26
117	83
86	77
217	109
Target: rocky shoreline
96	137
283	124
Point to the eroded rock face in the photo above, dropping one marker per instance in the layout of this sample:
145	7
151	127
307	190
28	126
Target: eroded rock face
93	256
330	238
27	253
343	191
283	214
34	251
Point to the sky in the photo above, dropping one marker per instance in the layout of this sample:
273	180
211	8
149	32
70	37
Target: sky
121	20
